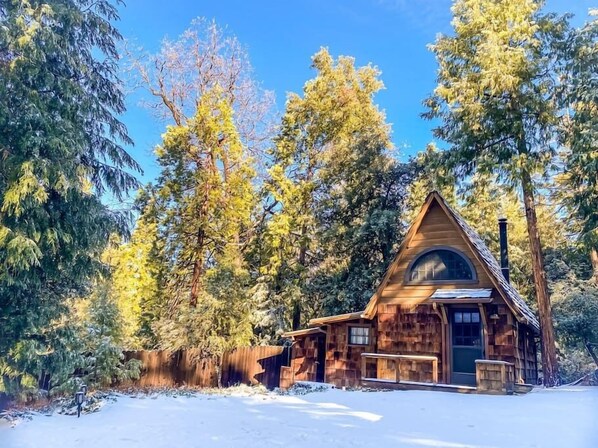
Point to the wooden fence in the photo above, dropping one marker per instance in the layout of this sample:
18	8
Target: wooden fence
248	365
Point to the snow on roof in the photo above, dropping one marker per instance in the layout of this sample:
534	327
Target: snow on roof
494	268
477	293
303	332
335	318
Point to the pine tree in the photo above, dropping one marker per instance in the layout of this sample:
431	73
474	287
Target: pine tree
61	148
134	281
332	196
579	182
496	100
204	198
102	335
205	195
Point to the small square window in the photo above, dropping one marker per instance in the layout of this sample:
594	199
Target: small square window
359	335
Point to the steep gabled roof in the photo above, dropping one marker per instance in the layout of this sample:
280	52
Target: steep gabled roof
481	252
487	259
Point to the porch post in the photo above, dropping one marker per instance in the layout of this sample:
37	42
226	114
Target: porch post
445	345
484	329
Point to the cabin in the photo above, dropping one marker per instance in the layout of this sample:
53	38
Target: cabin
444	316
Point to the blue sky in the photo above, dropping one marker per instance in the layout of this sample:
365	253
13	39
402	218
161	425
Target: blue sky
281	36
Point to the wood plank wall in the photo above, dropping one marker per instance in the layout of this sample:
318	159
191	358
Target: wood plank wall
248	365
435	230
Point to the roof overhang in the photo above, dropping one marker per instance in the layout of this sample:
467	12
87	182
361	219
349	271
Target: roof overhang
459	301
477	295
304	332
337	318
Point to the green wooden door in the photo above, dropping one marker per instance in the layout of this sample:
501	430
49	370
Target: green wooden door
467	345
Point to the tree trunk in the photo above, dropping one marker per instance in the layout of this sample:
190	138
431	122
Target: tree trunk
200	250
302	262
549	360
296	315
594	260
219	369
196	280
590	348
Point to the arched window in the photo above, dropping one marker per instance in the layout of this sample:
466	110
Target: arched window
440	265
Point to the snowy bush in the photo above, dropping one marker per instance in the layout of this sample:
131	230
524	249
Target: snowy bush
103	362
85	348
576	321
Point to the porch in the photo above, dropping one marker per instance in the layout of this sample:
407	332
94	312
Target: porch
389	371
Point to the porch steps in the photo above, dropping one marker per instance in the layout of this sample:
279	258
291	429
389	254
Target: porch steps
415	385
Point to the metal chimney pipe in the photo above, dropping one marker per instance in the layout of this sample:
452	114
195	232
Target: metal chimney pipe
504	247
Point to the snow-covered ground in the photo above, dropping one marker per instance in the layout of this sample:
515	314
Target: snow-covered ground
563	418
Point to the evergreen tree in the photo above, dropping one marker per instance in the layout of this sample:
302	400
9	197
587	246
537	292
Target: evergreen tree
575	313
361	224
334	194
60	150
203	203
204	199
83	346
205	195
579	182
134	283
102	335
496	100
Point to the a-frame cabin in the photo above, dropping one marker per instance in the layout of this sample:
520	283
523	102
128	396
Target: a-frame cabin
444	313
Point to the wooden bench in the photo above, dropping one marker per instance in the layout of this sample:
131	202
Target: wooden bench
397	359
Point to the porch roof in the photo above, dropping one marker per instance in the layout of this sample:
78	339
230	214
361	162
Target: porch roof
476	293
303	332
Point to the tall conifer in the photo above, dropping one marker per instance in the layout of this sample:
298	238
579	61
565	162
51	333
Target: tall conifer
61	149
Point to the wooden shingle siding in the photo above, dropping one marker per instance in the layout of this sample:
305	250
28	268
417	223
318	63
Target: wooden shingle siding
405	331
304	357
501	336
514	343
526	365
343	361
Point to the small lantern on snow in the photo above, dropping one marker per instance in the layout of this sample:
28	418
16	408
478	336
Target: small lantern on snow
80	398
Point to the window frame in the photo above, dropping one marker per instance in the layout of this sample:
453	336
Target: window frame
408	281
464	324
368	328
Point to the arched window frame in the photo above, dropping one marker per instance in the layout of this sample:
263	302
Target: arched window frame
474	274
